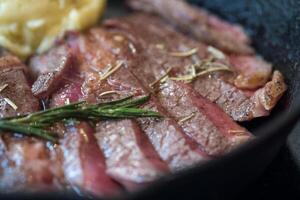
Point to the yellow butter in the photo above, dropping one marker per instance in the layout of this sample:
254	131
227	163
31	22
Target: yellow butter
31	26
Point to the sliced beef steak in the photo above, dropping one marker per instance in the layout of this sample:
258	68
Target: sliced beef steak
83	162
99	53
130	157
177	98
159	40
25	163
28	165
242	105
136	55
251	72
198	23
15	96
50	69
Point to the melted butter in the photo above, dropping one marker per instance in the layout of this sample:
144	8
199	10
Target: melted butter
32	26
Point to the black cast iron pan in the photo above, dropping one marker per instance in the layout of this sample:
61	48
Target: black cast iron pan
274	26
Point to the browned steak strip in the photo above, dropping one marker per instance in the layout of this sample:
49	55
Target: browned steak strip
9	62
129	158
25	163
177	98
83	162
100	49
200	24
218	87
14	89
269	95
50	69
251	72
242	105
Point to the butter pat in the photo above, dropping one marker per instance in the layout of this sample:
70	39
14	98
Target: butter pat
31	26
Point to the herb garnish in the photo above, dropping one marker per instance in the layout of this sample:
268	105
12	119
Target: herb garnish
2	87
160	79
216	52
184	119
112	70
36	124
11	103
108	93
184	53
204	67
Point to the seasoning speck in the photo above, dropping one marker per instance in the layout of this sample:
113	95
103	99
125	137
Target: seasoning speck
3	87
11	103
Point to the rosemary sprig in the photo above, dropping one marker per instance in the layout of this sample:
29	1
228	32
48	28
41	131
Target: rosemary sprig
35	124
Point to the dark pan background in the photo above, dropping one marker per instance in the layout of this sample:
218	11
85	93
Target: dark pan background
274	26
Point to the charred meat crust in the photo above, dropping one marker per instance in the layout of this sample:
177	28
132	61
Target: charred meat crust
50	70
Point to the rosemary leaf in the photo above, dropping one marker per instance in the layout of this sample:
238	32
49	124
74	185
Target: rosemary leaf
161	79
184	53
34	124
108	93
213	69
11	103
2	87
112	70
27	130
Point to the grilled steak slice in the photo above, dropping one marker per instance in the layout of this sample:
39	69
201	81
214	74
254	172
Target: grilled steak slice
25	163
198	23
130	157
160	40
242	105
50	69
14	89
83	162
252	72
28	165
269	95
165	135
137	156
177	98
202	120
